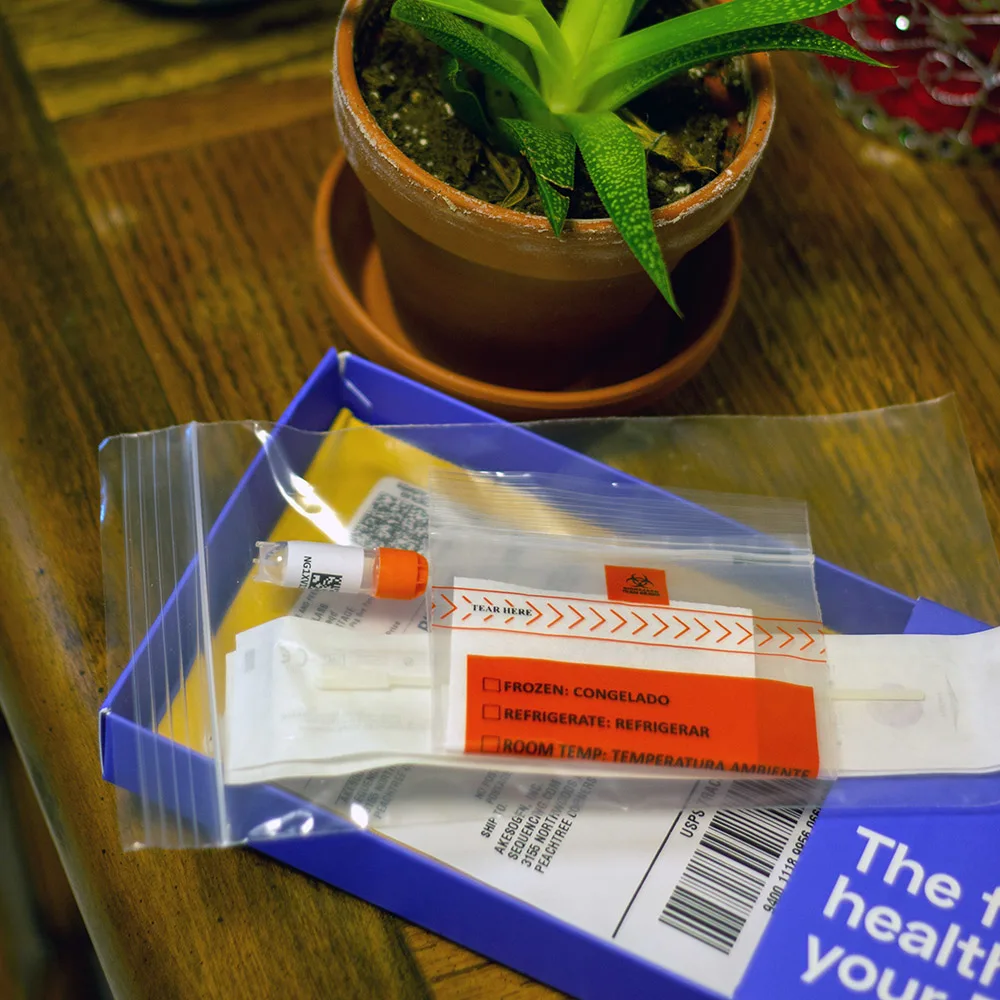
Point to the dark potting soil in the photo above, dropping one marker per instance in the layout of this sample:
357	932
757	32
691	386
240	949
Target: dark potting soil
400	72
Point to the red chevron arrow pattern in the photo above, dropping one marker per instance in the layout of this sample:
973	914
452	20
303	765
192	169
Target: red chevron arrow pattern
680	626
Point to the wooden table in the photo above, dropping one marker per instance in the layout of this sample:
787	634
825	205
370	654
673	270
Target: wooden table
157	176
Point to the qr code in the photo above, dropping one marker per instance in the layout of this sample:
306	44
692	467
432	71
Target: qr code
326	581
394	515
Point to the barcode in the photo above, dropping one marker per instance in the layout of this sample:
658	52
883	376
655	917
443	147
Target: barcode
730	868
396	518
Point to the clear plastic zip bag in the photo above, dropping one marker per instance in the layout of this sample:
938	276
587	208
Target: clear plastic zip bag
305	700
184	508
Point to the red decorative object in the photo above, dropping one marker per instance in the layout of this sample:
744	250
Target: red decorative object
941	94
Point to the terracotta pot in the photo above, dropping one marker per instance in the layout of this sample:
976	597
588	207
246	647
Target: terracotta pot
639	371
492	292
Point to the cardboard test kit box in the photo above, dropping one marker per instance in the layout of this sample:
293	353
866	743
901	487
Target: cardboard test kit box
894	903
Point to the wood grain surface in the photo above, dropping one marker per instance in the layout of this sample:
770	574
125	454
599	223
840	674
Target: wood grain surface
157	175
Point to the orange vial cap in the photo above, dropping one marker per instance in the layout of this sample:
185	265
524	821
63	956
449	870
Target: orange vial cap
399	575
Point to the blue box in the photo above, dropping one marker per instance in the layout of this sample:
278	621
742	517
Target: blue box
414	886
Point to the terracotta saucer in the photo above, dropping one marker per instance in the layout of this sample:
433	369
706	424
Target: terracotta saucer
661	354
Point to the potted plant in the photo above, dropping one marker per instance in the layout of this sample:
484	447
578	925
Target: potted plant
486	287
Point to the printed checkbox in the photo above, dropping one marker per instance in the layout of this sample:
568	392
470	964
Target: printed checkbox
491	683
491	711
490	744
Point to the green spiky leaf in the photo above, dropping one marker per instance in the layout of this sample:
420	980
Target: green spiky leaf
555	203
510	21
717	19
615	17
552	155
616	162
578	22
528	22
617	89
471	45
459	93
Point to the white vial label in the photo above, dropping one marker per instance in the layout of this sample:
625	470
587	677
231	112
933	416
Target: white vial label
317	566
